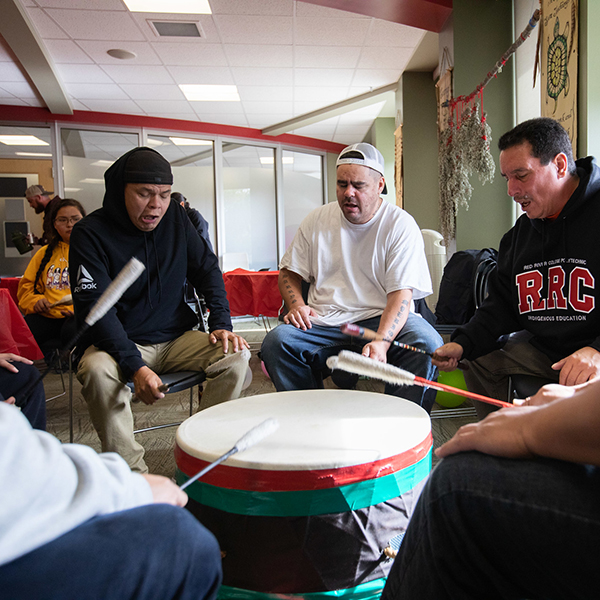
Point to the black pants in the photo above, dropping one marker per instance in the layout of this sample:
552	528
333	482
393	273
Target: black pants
34	405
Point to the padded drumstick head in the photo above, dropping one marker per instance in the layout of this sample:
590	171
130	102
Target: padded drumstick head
362	365
256	434
128	274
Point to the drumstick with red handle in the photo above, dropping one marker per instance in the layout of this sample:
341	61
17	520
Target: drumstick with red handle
362	365
368	334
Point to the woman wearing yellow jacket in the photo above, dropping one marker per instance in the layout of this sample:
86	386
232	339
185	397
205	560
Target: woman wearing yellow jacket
44	292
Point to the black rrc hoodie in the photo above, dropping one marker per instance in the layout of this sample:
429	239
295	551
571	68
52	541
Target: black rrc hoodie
545	280
153	309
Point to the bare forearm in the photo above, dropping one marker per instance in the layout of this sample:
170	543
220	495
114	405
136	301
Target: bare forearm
290	287
395	314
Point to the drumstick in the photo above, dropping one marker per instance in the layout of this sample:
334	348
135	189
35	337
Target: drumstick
220	365
255	435
68	299
128	274
361	365
368	334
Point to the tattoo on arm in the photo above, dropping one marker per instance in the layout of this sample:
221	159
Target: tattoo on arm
391	334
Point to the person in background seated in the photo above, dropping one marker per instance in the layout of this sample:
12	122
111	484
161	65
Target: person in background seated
14	380
513	509
198	221
44	292
77	524
150	330
543	291
39	200
365	261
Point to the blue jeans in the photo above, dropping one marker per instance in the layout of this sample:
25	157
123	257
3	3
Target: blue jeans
496	528
13	384
155	552
296	359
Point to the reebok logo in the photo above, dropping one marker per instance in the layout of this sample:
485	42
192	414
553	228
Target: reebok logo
84	280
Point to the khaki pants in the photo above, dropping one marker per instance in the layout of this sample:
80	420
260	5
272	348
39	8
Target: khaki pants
109	399
488	375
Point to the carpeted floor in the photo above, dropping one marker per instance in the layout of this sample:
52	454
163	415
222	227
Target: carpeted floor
175	408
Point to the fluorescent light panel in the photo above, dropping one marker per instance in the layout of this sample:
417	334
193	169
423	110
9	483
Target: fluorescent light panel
210	93
22	140
188	7
189	142
45	154
102	163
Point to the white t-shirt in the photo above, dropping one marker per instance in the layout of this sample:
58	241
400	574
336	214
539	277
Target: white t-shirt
352	268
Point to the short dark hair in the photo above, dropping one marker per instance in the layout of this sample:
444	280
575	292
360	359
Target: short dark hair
547	138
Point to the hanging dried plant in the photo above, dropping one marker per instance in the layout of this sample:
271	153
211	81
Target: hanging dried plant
483	162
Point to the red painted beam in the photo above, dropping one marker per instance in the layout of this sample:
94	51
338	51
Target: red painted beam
81	117
424	14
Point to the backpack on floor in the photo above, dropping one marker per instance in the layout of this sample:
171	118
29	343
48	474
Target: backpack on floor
456	300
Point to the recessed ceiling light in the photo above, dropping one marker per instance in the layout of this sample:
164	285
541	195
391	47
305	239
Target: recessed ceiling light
72	190
89	180
190	7
189	142
22	140
121	54
152	143
45	154
210	93
102	163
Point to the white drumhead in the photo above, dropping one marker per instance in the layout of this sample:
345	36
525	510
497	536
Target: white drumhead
318	429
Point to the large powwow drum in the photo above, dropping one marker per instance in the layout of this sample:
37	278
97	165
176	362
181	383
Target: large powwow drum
309	511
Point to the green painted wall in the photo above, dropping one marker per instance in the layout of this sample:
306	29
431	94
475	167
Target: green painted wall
589	83
483	31
381	135
419	138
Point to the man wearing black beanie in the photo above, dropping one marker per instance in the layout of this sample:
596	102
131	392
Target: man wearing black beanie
150	329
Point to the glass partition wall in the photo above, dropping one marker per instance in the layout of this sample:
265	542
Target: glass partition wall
253	195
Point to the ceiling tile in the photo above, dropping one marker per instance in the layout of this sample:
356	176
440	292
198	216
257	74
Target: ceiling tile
262	76
283	110
83	4
82	74
85	91
234	108
254	30
388	34
260	121
145	55
96	24
303	107
376	77
259	93
170	106
317	77
224	119
201	75
316	130
306	9
335	57
254	55
384	58
253	7
326	95
149	91
348	139
311	31
138	74
127	107
200	55
66	51
21	89
11	72
46	27
14	101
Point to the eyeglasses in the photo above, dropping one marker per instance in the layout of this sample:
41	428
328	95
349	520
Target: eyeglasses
65	220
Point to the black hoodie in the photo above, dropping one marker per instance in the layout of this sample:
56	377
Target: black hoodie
153	309
545	281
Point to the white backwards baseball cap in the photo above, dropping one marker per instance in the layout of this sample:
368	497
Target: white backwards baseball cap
363	154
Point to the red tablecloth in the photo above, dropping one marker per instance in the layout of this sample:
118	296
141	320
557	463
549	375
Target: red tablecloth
253	292
11	284
15	336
